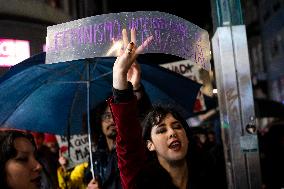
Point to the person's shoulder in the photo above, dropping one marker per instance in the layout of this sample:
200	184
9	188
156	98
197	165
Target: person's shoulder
82	165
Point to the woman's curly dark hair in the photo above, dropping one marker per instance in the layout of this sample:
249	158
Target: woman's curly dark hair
8	151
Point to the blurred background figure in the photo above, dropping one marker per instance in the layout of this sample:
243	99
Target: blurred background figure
272	156
51	142
70	177
209	156
48	160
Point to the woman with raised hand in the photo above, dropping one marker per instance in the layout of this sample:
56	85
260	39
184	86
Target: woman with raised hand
19	168
105	155
159	159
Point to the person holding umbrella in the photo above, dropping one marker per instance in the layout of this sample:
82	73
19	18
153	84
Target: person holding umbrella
104	157
104	134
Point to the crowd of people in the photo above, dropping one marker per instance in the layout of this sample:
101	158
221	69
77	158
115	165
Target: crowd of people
51	166
137	144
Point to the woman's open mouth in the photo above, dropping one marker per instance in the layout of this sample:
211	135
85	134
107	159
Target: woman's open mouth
175	145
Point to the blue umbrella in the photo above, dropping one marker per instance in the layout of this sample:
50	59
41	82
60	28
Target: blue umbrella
51	97
34	60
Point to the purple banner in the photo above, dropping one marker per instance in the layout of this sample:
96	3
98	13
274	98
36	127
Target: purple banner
93	37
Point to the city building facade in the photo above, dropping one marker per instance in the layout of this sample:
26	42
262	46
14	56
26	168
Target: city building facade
265	28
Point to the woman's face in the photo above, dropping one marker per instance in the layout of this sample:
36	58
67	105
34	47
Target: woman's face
169	140
23	170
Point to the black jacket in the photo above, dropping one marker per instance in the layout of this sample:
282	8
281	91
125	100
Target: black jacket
105	169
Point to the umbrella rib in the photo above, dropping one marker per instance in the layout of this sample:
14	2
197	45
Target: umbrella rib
94	68
101	76
83	82
71	67
72	107
76	94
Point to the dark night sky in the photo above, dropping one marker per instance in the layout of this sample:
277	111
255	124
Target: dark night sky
197	12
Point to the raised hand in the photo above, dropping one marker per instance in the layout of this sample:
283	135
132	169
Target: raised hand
124	68
134	75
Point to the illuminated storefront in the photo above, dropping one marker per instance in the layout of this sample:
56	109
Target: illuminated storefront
13	51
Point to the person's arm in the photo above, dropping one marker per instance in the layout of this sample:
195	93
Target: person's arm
77	175
129	145
63	174
143	100
63	178
134	72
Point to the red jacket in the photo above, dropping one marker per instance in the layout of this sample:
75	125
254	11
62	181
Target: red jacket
129	144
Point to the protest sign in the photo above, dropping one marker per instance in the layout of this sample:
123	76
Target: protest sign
94	37
79	151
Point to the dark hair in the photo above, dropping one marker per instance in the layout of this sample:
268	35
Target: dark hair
96	124
8	151
197	167
95	120
155	116
97	113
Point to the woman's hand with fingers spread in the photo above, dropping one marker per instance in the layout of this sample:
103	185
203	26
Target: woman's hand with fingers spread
120	69
124	68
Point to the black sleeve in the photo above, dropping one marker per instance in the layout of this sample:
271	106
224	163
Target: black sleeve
123	95
144	104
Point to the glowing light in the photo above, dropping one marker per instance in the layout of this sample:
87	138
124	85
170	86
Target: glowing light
13	51
44	48
215	91
115	48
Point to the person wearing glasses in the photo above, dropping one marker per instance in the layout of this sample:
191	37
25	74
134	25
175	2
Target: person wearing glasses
104	157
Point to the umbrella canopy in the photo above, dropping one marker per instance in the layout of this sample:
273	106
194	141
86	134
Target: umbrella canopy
51	97
34	60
